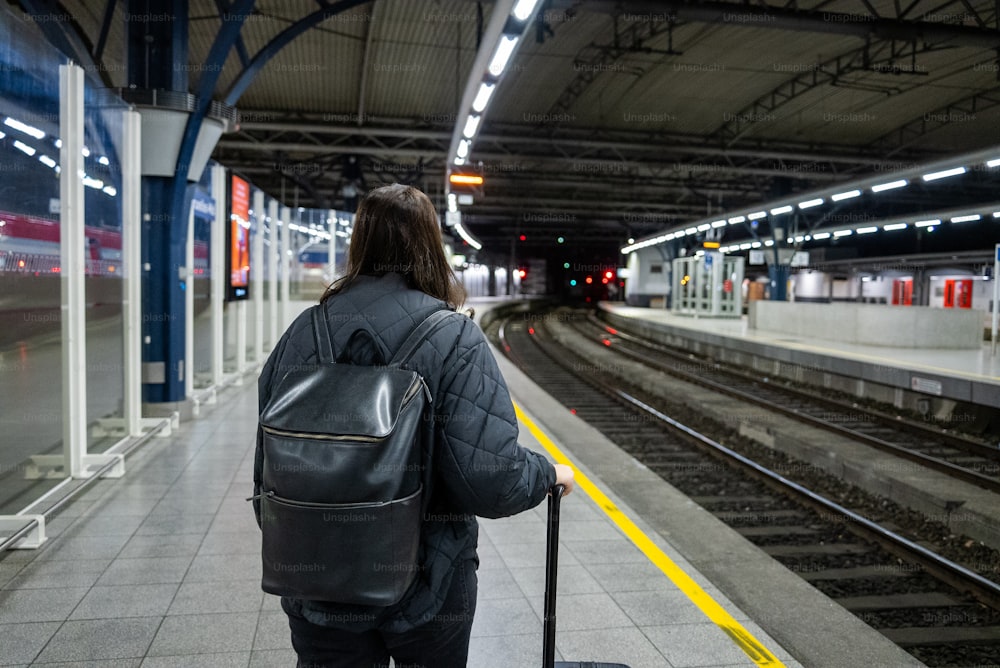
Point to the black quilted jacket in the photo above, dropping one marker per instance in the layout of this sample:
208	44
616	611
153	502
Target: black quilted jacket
479	466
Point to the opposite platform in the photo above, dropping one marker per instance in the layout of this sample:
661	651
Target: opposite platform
961	375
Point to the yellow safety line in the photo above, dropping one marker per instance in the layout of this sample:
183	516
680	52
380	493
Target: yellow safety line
715	612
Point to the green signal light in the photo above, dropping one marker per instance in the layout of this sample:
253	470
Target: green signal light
573	282
565	265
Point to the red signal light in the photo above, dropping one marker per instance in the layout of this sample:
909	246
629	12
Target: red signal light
609	275
589	280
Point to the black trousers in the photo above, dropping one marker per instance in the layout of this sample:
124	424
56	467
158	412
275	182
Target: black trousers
443	642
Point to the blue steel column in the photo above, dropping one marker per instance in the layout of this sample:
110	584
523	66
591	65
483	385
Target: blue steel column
157	48
157	59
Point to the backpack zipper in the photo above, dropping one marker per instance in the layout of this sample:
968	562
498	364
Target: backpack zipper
312	504
320	437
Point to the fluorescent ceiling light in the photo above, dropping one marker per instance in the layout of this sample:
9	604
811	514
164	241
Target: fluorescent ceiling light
703	227
737	220
47	161
993	163
811	203
927	223
471	125
110	190
85	151
452	202
24	148
754	244
819	236
867	230
483	97
895	226
104	160
460	161
745	246
934	176
24	127
502	55
769	242
463	148
91	182
719	223
691	230
781	209
843	233
846	195
523	9
996	214
668	237
889	186
966	219
756	215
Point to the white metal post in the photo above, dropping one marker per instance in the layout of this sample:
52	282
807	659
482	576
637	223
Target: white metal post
257	276
285	264
996	296
189	307
76	463
272	273
331	247
241	338
71	270
217	269
132	266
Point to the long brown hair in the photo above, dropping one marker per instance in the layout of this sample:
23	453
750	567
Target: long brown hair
396	230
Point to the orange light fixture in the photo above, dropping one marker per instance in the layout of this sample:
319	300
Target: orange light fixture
465	179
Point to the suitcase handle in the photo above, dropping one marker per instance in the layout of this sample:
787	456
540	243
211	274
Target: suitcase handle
551	573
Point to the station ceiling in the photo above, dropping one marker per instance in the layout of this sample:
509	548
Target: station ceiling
616	119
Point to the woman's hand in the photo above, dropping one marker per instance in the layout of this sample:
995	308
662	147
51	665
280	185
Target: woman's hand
564	477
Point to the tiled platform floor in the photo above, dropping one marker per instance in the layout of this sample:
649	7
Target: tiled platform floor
161	568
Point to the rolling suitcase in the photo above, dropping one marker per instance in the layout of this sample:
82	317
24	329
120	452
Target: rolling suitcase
551	572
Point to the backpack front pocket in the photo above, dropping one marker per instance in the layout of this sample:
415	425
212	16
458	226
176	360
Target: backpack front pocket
358	553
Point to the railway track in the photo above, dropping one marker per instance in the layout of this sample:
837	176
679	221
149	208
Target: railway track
959	457
941	612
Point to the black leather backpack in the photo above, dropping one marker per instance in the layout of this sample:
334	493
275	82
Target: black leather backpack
346	452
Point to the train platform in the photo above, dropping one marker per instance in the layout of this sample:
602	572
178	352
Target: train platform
886	373
162	567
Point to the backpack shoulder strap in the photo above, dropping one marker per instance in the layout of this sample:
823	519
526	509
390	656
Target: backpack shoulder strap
324	346
418	335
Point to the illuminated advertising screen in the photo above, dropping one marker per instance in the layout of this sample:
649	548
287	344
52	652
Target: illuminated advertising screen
238	260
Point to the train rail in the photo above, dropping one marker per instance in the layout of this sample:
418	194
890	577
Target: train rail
959	457
941	612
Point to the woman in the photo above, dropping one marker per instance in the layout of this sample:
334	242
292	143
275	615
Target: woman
397	275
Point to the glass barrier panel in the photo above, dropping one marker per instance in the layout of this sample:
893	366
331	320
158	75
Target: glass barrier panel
30	313
104	287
